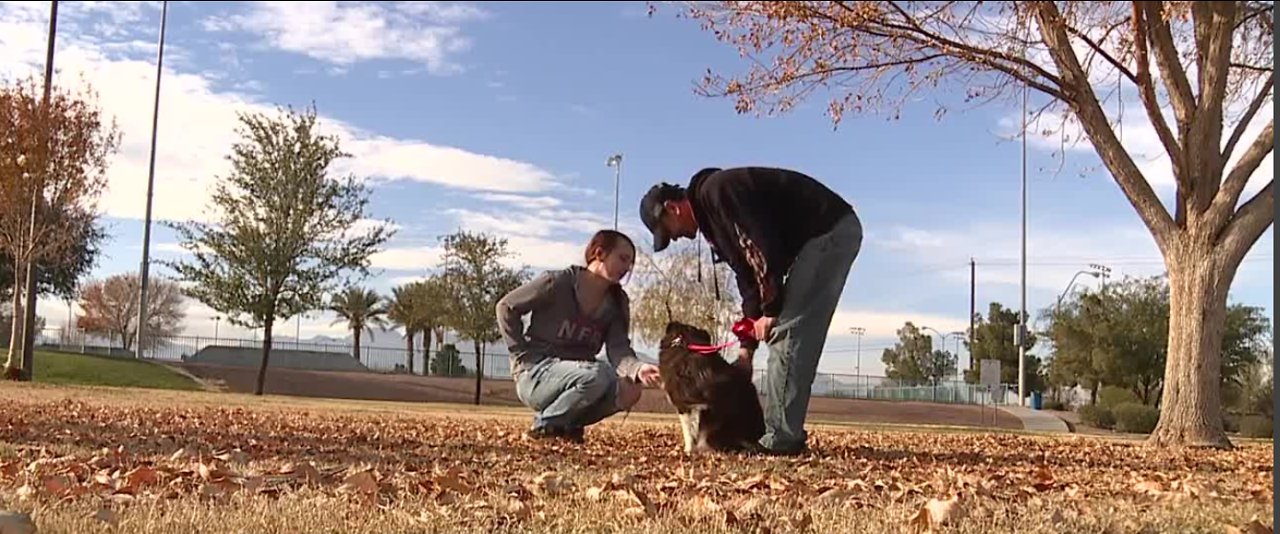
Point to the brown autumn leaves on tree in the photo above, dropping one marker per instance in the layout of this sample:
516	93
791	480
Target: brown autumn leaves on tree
111	309
56	156
1201	70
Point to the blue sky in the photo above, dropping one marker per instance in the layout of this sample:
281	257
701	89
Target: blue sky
463	114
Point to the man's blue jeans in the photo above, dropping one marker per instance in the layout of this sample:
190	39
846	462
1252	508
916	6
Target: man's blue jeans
812	292
570	394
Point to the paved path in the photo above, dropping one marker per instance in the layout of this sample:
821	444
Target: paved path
1036	420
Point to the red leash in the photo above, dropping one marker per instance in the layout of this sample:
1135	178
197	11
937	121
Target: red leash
744	329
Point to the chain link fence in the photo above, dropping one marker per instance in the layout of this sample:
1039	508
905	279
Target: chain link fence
461	362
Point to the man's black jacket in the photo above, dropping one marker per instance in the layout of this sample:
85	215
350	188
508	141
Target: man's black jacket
757	219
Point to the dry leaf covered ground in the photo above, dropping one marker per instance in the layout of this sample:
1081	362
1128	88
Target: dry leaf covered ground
82	460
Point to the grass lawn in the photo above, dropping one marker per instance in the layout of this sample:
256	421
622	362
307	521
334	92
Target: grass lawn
112	460
89	370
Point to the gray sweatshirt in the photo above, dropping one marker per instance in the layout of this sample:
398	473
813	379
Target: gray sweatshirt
558	328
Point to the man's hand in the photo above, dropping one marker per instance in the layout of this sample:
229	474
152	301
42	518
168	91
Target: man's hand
648	375
744	360
764	327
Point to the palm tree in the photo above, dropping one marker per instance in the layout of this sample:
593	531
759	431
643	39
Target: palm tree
361	309
405	310
433	302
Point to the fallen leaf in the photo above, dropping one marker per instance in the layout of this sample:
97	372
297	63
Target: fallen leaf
752	483
1148	487
517	509
360	482
936	513
58	485
26	492
305	471
141	476
180	454
595	493
235	456
1252	527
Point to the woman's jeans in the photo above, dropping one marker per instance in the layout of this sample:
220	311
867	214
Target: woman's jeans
572	394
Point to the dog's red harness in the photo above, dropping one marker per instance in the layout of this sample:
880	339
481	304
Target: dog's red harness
744	329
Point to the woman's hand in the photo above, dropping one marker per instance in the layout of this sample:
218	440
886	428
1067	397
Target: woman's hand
648	375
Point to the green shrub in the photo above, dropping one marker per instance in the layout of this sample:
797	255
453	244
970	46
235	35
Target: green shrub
1256	426
1055	405
1112	396
1096	416
1135	418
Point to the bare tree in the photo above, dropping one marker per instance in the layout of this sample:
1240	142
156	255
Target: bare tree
111	309
1208	63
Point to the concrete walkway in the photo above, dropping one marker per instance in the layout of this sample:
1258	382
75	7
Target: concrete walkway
1036	420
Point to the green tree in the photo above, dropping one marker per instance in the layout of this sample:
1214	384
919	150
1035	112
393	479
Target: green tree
432	296
287	230
1215	66
476	278
448	362
913	359
1117	337
993	339
61	278
362	309
402	311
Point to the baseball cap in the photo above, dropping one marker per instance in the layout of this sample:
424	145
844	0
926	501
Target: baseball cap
651	208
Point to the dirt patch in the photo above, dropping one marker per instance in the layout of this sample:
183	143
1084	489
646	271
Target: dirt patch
411	388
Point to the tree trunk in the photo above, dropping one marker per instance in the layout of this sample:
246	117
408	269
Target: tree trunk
426	351
409	345
1191	411
479	370
1093	393
11	366
355	347
266	356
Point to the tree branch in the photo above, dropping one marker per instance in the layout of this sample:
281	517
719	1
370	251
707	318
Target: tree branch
1254	106
1255	68
1175	77
1146	88
1247	226
1103	52
1225	201
980	56
1085	103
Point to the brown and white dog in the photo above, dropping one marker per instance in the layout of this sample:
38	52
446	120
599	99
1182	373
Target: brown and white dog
718	405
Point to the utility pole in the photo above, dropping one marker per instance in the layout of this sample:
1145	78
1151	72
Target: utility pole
151	182
29	313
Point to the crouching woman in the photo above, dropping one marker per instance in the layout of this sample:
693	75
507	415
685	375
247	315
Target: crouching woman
573	312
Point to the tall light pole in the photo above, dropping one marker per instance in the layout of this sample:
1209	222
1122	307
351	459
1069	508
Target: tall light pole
1020	335
858	331
1103	271
151	182
1094	274
615	161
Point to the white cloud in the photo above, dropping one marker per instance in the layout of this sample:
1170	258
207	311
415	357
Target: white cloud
349	32
534	223
407	258
198	127
534	252
521	201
